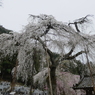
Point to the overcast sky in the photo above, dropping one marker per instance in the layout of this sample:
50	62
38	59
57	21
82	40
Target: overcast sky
14	13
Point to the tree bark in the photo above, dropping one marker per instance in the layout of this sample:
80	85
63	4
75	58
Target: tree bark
31	86
53	80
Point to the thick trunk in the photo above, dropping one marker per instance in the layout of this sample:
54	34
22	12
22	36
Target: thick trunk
31	87
53	80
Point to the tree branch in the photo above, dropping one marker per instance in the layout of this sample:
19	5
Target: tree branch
80	21
72	57
83	19
76	26
47	29
70	52
46	49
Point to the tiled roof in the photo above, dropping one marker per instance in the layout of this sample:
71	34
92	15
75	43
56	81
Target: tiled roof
86	82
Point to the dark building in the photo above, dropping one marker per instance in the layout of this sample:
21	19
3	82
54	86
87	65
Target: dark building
86	83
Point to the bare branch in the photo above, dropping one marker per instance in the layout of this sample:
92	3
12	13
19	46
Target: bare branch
72	57
75	23
76	27
80	21
83	19
68	54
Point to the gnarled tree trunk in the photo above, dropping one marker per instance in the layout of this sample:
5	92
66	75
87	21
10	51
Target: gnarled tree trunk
53	80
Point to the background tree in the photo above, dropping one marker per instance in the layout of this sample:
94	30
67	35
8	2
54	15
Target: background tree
4	30
72	66
6	64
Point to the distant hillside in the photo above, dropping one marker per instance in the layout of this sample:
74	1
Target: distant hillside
4	30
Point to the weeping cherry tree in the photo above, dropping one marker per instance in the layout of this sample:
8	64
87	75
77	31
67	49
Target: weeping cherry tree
52	37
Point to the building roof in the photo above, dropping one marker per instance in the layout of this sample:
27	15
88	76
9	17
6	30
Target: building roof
85	82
